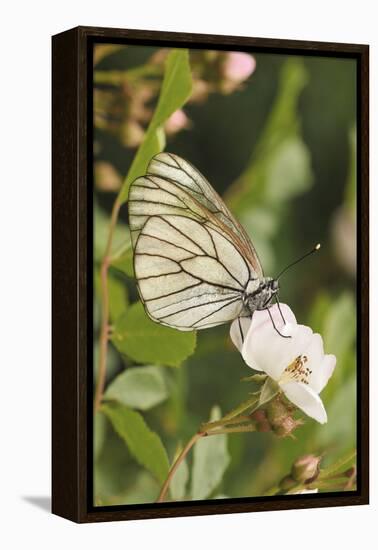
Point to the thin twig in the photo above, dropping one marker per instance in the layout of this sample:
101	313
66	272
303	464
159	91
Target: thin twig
233	429
104	333
231	417
222	422
177	463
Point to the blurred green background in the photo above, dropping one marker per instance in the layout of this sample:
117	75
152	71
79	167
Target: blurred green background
279	146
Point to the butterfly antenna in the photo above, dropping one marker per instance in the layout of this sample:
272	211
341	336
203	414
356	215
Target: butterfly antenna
315	249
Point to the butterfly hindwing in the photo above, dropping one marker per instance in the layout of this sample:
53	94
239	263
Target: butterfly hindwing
184	282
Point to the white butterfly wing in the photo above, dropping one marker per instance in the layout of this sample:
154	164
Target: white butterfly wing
188	282
192	259
173	186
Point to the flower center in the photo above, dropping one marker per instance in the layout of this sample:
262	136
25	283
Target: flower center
296	371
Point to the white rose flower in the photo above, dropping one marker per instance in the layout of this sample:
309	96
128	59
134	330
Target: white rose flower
298	364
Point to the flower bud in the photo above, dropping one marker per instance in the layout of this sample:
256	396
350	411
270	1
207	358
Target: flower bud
287	427
235	69
238	66
261	421
280	417
277	411
106	177
176	122
287	483
306	468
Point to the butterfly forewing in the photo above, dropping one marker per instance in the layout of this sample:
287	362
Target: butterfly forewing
192	259
183	282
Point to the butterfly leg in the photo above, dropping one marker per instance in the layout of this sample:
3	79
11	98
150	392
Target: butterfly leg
274	325
279	309
241	330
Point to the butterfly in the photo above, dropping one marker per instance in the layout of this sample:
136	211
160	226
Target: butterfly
195	265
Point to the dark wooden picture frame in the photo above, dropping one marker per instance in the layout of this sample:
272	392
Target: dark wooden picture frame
72	412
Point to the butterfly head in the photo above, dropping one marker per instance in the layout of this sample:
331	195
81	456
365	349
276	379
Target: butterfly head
262	296
268	288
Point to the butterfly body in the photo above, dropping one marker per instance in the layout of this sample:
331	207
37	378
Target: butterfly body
194	263
261	297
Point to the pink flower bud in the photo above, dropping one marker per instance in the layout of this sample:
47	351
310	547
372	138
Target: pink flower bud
261	421
106	177
306	468
279	414
287	483
238	66
176	122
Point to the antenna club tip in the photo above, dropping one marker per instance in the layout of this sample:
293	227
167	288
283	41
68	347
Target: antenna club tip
317	246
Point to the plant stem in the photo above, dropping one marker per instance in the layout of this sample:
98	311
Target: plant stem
175	466
216	427
222	422
233	429
104	332
234	415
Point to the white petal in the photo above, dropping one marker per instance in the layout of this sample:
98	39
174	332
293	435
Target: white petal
264	349
240	325
326	370
315	354
305	399
261	318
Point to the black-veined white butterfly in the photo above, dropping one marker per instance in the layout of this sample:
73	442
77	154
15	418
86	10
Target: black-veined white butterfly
194	263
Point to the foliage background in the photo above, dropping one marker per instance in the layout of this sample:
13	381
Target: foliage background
281	151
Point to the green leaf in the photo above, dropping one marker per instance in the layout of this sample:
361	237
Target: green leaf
179	481
176	88
145	341
153	143
124	263
117	292
175	91
144	444
210	460
140	387
112	362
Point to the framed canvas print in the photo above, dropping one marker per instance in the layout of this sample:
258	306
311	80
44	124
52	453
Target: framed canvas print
210	274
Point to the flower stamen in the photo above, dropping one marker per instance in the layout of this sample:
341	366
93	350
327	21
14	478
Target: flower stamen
296	371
